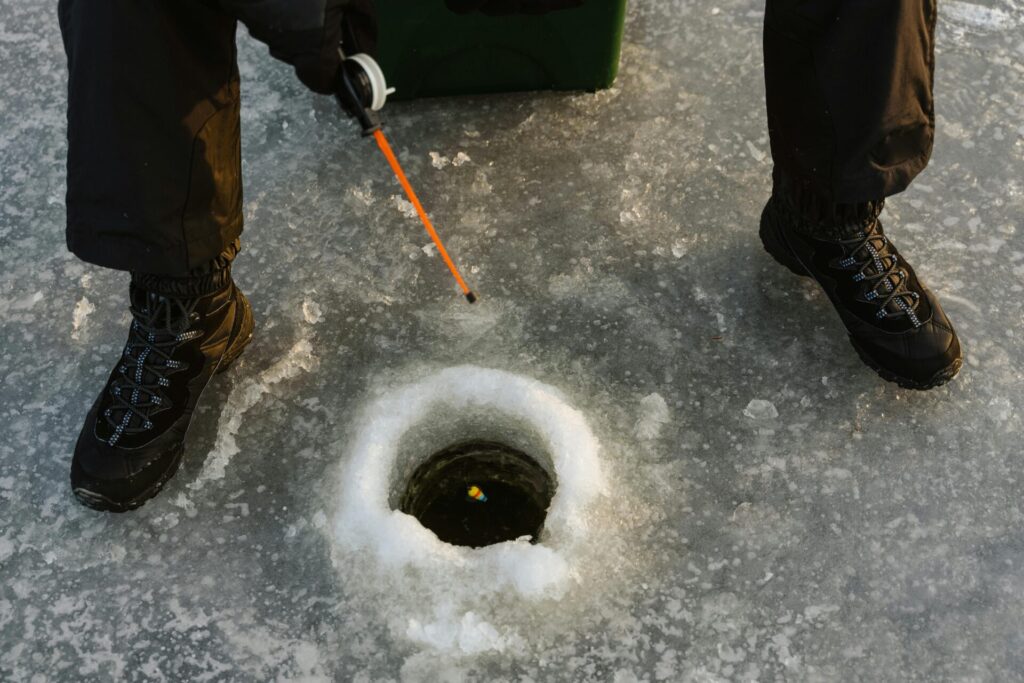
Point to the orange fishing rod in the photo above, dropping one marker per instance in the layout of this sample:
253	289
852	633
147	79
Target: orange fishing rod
362	93
385	148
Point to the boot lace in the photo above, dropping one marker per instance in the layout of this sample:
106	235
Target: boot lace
885	281
158	326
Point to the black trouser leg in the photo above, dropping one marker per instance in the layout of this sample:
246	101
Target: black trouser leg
849	94
154	153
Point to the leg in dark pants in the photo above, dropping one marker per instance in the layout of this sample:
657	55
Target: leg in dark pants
851	121
849	93
154	153
154	187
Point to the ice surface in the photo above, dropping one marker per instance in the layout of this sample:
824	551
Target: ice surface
299	358
979	16
866	533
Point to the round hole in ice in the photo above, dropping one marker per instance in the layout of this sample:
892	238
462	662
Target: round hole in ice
403	427
477	493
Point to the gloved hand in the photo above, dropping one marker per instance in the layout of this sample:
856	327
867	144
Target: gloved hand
498	7
351	24
359	28
306	33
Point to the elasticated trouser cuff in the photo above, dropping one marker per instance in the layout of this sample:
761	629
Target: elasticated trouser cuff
208	278
816	216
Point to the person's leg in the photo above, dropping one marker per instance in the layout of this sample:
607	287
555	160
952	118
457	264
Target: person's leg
849	93
154	187
154	153
851	122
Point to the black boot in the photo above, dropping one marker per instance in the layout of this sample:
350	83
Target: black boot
134	436
895	322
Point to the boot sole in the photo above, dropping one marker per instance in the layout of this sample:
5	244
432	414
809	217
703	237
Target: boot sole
99	502
774	243
937	380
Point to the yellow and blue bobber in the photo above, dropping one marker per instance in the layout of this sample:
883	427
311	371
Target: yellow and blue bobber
476	494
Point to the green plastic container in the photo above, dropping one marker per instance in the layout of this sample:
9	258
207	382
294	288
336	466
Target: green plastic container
426	49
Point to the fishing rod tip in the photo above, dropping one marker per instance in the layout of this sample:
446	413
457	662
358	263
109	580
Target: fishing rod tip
471	297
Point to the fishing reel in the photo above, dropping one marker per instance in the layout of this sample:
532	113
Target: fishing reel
362	90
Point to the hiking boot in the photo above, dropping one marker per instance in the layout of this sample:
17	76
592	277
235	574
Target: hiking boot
134	436
895	323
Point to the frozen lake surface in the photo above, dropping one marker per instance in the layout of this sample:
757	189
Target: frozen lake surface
768	509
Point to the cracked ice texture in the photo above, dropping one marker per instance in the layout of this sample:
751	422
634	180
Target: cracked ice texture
867	532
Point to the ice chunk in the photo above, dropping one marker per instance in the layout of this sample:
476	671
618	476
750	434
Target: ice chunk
469	635
654	415
438	161
760	409
403	205
757	154
311	312
83	309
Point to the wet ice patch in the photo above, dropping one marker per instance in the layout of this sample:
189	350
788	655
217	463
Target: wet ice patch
481	185
402	428
25	303
6	548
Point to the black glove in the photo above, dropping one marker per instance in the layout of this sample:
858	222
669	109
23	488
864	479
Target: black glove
351	24
306	33
359	28
497	7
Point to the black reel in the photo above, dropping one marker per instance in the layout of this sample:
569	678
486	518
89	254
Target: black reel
362	90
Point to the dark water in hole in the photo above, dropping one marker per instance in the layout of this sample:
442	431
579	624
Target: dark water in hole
518	491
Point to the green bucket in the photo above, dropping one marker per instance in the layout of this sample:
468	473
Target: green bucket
425	49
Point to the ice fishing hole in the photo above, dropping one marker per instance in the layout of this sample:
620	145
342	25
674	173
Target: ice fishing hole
406	425
476	493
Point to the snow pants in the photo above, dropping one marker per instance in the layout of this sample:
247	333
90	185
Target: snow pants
154	167
154	179
849	93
